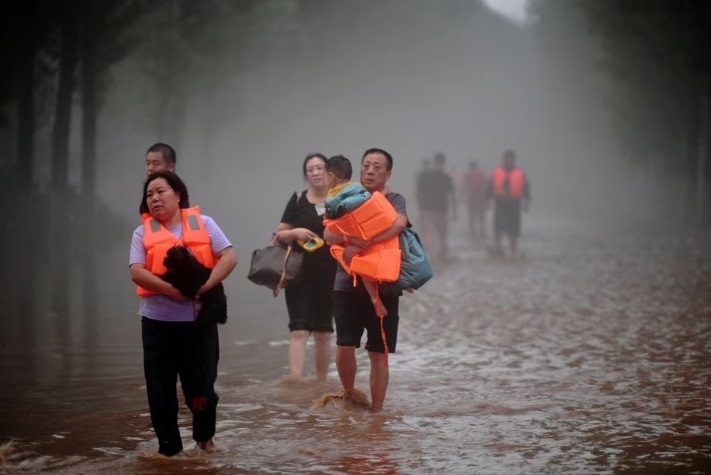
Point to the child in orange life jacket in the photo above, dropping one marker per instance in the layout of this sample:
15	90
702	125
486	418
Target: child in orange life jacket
338	176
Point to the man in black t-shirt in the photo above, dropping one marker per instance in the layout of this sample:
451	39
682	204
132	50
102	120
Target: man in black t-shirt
436	196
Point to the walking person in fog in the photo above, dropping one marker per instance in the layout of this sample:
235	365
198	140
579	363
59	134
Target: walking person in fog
309	303
353	310
437	197
474	184
510	191
174	344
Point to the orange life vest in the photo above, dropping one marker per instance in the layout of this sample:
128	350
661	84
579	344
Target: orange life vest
379	262
516	182
369	219
157	240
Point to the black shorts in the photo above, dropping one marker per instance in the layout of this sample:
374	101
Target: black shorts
507	217
310	306
354	313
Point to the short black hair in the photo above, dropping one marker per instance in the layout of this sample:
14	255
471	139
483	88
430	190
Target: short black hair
340	166
309	157
168	152
382	152
439	158
174	182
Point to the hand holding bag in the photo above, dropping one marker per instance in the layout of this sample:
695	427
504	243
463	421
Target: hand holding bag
275	267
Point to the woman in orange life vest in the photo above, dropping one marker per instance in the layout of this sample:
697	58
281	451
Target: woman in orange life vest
173	343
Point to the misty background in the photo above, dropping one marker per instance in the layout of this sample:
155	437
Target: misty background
605	103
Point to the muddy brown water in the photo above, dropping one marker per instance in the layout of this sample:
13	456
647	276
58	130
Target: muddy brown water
589	354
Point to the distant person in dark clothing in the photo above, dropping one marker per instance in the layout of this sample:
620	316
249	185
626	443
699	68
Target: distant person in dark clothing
436	196
473	186
426	166
510	191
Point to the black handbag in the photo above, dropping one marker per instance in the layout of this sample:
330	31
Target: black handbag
276	267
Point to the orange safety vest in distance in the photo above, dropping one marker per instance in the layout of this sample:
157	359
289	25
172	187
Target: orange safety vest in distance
366	221
157	240
516	182
379	262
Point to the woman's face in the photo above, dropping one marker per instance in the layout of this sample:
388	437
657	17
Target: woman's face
162	201
315	173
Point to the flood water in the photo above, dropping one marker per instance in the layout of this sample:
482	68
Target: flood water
589	354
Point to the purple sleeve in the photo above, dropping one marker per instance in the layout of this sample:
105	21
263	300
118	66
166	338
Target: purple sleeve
138	252
218	240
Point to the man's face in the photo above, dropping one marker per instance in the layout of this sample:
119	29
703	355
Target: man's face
156	162
374	172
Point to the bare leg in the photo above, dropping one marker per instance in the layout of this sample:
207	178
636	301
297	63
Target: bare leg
322	352
373	293
297	353
443	238
497	238
379	378
346	366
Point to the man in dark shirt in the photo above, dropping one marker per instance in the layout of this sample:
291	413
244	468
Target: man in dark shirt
353	309
436	195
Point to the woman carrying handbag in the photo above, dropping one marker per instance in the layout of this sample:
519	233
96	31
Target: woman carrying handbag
309	302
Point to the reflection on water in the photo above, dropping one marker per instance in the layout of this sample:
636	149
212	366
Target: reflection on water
587	355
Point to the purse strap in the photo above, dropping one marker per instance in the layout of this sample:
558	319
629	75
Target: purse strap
283	271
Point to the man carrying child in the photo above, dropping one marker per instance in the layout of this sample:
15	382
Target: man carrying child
353	308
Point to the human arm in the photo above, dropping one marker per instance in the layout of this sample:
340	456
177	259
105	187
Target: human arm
226	262
333	238
287	233
143	277
526	203
288	230
356	245
149	281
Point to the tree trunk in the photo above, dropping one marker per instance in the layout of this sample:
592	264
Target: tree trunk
60	232
89	107
26	208
701	154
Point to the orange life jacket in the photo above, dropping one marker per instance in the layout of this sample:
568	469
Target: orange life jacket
516	178
158	240
369	219
379	262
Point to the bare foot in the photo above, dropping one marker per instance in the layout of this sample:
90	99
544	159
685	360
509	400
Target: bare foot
291	379
207	446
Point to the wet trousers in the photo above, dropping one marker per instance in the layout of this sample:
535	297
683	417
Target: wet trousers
188	350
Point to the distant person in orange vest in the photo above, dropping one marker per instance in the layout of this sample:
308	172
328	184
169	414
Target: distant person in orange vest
510	191
473	188
436	196
159	157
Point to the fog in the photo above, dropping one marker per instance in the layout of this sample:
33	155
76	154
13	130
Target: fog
435	76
